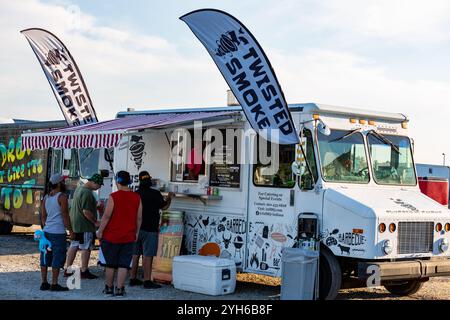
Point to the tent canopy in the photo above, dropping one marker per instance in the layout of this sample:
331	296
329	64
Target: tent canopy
107	134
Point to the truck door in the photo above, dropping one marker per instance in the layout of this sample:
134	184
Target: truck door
271	208
309	195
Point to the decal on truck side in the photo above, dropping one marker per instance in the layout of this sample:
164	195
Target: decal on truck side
20	171
137	151
222	235
346	242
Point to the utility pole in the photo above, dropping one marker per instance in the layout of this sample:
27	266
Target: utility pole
444	158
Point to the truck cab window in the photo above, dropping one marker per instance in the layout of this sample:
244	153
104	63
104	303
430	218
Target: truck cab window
391	166
57	159
343	157
71	166
306	182
89	160
264	175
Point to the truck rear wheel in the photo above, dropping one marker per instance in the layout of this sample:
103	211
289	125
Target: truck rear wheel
330	275
405	288
5	227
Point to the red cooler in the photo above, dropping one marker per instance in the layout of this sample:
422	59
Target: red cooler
435	188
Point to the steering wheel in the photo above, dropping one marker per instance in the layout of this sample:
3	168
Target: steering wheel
394	174
363	172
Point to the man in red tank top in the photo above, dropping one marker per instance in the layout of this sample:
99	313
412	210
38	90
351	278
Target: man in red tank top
118	231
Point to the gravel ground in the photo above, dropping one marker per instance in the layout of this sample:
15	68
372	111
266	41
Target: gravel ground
20	279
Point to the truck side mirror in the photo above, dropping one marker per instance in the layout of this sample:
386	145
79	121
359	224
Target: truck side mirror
323	129
297	168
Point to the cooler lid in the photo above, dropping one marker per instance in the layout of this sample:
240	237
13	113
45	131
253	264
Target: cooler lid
210	261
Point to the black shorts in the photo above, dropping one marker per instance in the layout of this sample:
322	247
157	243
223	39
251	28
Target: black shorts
146	244
117	255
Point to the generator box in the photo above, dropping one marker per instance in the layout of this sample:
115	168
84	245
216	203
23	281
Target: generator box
204	274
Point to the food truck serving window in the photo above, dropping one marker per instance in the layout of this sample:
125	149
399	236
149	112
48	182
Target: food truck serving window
343	157
189	168
392	164
268	173
223	165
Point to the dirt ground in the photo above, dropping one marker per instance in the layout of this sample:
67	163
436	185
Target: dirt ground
20	279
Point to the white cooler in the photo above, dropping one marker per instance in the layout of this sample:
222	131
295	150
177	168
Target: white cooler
204	274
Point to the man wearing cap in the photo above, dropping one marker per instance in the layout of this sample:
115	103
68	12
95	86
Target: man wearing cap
147	242
83	214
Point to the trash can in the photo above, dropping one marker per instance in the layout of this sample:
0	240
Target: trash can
298	273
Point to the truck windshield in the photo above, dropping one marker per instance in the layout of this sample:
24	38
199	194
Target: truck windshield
343	157
391	165
89	161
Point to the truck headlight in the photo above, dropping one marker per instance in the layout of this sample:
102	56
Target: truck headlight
443	245
387	246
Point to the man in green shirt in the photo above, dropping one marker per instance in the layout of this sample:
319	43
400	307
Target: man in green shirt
83	216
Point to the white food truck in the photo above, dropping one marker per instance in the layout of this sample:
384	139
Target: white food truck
351	184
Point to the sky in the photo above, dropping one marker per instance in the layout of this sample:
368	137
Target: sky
385	55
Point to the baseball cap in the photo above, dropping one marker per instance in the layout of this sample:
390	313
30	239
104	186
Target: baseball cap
56	178
96	178
144	176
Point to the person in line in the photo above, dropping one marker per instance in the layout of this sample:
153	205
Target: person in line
55	219
83	214
119	229
147	243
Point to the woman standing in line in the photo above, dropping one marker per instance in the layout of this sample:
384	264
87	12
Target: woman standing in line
55	219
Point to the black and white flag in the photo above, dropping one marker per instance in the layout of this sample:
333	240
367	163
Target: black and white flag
247	71
63	75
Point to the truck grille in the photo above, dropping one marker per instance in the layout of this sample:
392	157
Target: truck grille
415	237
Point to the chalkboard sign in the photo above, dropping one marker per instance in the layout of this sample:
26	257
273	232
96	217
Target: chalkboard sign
223	174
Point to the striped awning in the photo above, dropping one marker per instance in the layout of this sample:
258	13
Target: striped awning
107	134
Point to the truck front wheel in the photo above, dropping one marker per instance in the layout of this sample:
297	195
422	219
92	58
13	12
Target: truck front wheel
405	288
330	275
5	227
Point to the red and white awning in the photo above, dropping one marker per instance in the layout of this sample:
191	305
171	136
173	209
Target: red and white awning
107	134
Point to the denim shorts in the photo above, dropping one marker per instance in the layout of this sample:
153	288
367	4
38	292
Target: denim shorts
146	244
57	256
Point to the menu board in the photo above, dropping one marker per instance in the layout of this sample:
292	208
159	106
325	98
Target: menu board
224	171
225	175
